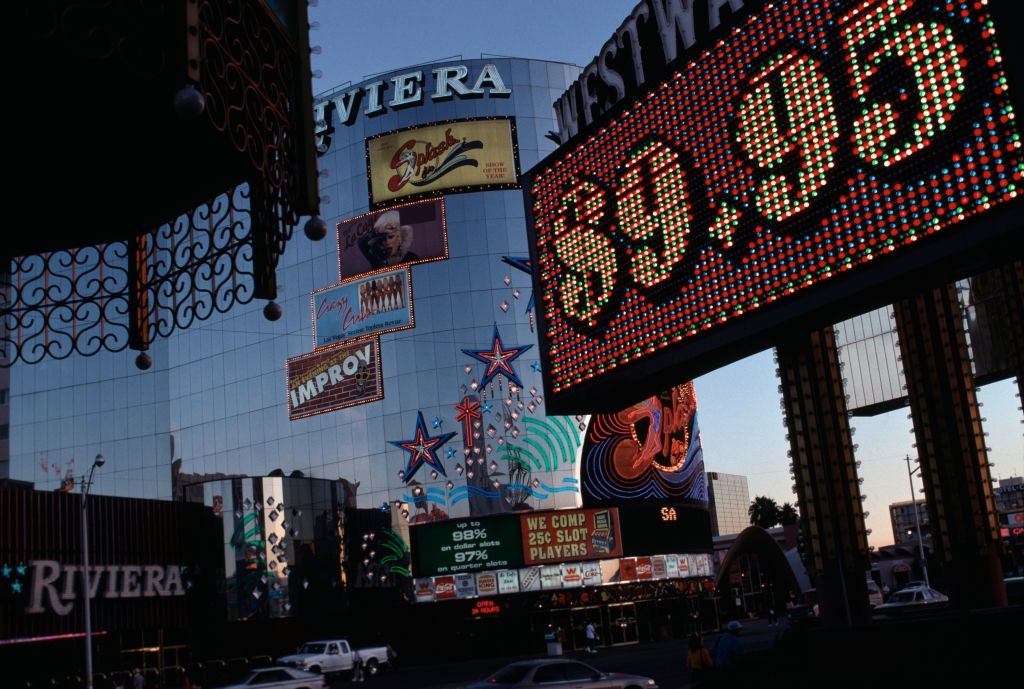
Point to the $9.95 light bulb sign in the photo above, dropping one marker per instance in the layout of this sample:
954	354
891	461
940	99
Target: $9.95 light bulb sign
812	140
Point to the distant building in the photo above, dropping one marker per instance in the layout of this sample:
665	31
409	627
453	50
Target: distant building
904	526
1009	497
729	499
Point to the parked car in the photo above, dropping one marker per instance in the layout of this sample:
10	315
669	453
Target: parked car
280	678
913	599
1014	590
559	672
875	597
336	655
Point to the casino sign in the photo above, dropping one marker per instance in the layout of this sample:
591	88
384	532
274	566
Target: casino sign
816	159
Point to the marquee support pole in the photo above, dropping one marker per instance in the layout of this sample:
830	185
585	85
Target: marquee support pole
951	447
825	473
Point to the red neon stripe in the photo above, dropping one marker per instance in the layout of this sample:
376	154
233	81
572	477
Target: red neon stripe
52	637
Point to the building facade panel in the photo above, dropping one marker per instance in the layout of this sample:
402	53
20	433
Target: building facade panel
214	402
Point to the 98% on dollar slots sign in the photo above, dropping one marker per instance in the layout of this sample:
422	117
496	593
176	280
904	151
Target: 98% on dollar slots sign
469	535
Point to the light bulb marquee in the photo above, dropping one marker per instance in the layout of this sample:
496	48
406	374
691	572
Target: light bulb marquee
811	141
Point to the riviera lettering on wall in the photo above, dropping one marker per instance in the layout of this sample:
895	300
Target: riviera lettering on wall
57	587
638	53
408	90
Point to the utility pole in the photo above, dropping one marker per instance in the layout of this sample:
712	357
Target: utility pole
917	520
86	485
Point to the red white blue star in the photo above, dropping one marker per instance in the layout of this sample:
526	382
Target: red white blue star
498	359
422	449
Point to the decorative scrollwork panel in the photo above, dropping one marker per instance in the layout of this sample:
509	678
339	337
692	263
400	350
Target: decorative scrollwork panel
79	301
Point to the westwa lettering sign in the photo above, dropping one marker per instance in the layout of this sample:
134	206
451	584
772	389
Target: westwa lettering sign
653	36
58	587
407	90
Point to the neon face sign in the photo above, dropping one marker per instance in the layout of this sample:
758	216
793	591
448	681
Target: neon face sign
814	139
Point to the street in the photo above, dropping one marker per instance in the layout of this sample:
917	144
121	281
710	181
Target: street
663	661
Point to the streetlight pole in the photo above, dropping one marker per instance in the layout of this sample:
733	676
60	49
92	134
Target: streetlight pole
917	520
86	484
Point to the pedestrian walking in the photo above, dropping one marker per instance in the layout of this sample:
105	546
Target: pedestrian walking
591	635
698	659
773	619
729	647
138	681
357	668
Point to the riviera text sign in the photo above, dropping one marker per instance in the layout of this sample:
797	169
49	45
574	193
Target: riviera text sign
57	587
407	90
816	140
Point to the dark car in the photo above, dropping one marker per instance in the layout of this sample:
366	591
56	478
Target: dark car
1014	590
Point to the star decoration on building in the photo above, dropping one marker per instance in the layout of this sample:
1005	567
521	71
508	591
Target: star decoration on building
535	366
498	359
422	449
437	422
487	407
524	264
22	569
467	411
519	263
5	571
449	452
16	587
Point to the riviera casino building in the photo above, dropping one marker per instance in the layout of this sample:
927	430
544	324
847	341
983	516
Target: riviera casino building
404	367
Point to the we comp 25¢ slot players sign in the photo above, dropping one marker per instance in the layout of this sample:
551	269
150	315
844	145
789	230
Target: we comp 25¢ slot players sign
817	139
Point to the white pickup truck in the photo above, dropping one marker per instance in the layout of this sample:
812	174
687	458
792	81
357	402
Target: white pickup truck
336	655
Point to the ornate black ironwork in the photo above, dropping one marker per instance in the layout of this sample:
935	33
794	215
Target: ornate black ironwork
253	71
248	76
82	300
101	30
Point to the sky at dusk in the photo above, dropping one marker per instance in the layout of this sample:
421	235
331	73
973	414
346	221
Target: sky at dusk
739	405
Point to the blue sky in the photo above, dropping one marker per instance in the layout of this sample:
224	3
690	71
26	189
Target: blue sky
741	423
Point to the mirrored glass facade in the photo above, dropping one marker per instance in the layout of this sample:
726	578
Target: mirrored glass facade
214	403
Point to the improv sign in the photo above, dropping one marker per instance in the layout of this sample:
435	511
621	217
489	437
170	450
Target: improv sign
380	303
450	157
334	378
570	535
803	161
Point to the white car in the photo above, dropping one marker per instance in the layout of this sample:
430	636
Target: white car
337	655
913	599
280	678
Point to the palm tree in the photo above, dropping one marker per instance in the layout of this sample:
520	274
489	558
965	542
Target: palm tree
763	512
788	514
